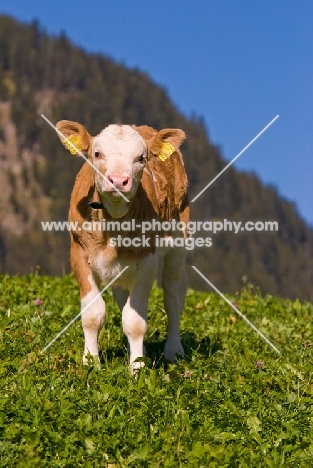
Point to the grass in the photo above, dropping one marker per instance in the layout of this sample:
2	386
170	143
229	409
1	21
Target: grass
232	402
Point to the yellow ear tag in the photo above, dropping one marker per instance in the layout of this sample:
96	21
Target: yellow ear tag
166	150
75	140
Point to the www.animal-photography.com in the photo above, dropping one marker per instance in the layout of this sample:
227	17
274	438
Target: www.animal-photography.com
156	234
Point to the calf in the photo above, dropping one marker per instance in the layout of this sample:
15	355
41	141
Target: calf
136	173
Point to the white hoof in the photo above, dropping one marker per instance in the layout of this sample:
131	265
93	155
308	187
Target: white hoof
90	360
134	367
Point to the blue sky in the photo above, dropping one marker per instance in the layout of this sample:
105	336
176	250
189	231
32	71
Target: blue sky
237	64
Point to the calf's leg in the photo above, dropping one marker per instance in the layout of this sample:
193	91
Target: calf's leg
135	311
92	318
174	282
121	296
93	307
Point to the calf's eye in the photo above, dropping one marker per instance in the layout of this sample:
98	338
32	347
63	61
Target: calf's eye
97	154
142	159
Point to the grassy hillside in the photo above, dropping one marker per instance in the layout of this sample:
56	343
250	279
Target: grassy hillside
232	402
45	74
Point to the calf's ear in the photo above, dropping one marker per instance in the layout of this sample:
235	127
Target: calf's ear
74	136
165	142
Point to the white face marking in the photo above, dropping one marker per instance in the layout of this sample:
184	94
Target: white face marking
119	153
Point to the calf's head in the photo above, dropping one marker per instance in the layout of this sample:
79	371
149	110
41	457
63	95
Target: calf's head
118	156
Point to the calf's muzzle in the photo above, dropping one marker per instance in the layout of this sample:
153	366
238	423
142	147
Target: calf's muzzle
122	183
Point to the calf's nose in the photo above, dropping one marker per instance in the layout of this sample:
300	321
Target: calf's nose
123	183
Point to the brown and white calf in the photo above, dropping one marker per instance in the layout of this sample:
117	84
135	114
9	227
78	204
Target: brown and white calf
137	161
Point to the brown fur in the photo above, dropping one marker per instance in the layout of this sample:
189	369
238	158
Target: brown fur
161	195
170	189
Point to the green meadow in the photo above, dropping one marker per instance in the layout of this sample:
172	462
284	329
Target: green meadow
231	402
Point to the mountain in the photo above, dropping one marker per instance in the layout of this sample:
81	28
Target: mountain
45	74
